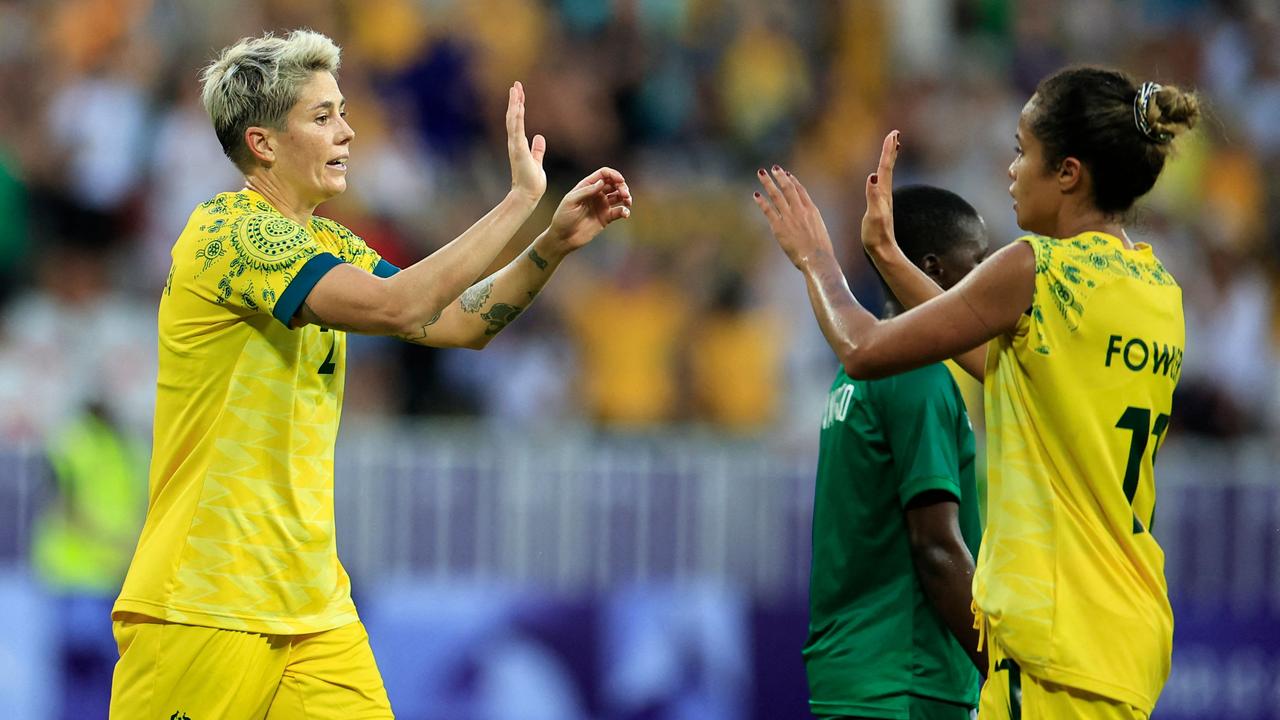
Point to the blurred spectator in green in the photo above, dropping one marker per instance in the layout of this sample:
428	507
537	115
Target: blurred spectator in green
82	544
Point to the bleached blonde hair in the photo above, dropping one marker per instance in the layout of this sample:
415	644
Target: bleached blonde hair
257	80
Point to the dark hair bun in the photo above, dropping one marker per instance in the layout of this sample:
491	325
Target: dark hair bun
1172	111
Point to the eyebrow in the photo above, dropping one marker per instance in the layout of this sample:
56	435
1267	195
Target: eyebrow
327	104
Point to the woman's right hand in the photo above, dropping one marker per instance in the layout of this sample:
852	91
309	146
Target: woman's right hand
877	223
528	179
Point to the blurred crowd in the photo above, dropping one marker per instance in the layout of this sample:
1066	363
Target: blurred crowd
684	314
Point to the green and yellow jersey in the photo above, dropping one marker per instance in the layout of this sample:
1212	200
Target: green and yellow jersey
239	530
876	644
1078	397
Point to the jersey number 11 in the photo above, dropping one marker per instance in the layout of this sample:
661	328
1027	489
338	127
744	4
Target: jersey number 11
1138	421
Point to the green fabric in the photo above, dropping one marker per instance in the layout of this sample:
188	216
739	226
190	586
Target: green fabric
926	709
13	216
85	538
874	639
294	295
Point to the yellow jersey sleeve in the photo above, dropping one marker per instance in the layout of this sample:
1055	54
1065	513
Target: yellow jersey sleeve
351	248
1077	400
251	258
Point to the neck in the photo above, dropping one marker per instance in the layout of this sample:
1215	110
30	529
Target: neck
288	203
1073	220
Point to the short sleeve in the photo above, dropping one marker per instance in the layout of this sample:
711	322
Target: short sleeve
352	248
261	262
921	412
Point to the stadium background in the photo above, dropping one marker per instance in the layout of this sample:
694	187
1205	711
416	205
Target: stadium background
605	513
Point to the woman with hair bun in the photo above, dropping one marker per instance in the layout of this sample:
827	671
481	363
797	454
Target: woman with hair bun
1077	333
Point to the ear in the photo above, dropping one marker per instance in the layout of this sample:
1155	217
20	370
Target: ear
262	144
932	266
1070	175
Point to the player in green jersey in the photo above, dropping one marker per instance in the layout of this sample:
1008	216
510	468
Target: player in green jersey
895	519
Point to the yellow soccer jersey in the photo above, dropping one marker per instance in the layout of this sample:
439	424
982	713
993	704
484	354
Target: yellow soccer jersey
239	530
1078	398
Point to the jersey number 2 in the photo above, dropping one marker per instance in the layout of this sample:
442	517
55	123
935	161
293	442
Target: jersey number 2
327	367
1138	421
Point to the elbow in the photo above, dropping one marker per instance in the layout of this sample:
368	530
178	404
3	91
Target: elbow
857	362
392	319
935	559
406	319
385	313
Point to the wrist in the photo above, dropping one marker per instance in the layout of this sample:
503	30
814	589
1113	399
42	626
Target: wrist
815	260
551	246
523	199
886	249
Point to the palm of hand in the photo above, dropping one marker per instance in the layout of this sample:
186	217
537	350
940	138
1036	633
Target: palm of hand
527	174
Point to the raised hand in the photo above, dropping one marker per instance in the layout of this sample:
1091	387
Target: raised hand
877	222
527	176
794	219
597	200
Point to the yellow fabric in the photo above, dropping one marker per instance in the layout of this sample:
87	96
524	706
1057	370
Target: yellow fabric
731	347
628	340
1069	578
239	530
1038	699
169	670
971	391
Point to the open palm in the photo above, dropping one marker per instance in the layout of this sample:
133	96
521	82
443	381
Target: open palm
527	175
877	222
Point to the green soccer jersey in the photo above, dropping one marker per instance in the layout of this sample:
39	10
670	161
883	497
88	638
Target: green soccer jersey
874	638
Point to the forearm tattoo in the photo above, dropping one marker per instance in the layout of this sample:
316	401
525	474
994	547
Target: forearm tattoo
537	259
499	316
474	298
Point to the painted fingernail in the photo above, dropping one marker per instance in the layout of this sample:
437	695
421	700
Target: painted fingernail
874	179
777	168
760	172
756	195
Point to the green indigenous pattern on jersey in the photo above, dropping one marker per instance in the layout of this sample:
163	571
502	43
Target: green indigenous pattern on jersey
874	639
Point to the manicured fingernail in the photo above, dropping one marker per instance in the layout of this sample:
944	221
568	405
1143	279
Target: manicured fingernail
760	172
756	195
777	168
874	179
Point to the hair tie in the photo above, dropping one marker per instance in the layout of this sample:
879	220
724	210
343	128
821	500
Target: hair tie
1140	105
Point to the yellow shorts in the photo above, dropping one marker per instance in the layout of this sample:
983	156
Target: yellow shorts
1010	694
168	670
